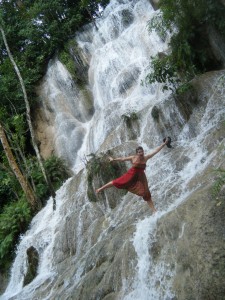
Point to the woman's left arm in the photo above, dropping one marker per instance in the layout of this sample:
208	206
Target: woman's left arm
150	155
121	158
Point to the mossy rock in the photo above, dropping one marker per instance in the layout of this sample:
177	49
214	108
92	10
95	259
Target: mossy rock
100	171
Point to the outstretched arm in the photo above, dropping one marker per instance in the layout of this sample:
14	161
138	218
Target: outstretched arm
121	158
150	155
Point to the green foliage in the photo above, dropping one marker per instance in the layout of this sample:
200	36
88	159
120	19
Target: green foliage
67	60
11	190
34	31
92	6
219	183
183	88
28	165
56	170
9	187
164	72
191	54
99	167
15	216
14	220
155	112
16	131
158	23
129	118
66	56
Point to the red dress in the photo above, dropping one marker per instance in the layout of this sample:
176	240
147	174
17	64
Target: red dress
134	181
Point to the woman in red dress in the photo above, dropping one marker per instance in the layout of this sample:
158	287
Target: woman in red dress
135	180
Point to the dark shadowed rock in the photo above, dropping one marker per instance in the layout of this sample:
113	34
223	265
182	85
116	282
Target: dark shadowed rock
32	261
155	4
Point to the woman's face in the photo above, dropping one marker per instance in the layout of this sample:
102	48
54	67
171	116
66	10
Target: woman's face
140	153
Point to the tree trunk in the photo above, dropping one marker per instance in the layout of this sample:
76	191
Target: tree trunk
92	19
12	162
29	118
21	155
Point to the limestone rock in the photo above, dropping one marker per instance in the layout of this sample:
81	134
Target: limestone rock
191	239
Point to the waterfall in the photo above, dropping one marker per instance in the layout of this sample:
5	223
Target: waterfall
118	55
87	245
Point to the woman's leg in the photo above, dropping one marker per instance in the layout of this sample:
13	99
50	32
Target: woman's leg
151	205
106	186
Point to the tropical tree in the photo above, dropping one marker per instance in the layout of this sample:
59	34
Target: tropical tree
32	32
28	115
189	24
12	162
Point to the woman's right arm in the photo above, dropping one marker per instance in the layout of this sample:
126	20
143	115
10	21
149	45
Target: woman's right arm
121	158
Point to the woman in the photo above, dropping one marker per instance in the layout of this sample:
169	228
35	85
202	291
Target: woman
135	180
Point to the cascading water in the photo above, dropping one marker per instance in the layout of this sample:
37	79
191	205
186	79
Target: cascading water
85	243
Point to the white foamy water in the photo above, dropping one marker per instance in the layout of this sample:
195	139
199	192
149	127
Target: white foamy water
41	236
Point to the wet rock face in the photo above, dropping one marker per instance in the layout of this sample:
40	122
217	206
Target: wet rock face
63	108
96	271
217	43
192	236
3	282
155	4
32	261
127	17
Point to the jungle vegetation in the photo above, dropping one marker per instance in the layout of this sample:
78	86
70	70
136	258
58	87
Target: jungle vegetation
188	22
31	32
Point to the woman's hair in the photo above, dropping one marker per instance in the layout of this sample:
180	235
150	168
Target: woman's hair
139	148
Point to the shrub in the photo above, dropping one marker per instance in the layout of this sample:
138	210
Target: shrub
99	167
56	170
219	183
129	118
155	112
14	220
70	57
